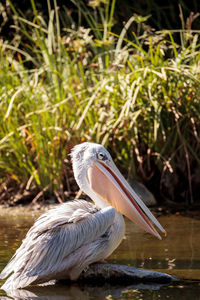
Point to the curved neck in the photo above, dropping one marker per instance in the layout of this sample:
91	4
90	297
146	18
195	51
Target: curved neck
97	200
80	175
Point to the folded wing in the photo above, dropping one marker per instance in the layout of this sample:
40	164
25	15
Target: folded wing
53	237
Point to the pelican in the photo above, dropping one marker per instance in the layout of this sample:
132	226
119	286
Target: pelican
68	238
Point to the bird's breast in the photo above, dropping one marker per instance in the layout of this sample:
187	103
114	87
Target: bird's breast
116	232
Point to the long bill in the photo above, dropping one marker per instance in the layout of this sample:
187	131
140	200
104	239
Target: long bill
108	183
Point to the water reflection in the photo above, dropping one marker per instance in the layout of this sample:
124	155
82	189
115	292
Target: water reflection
177	254
86	292
76	291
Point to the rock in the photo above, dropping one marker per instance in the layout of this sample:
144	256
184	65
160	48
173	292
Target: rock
99	279
115	274
146	196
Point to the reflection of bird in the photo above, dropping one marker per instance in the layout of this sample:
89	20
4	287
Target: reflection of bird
71	236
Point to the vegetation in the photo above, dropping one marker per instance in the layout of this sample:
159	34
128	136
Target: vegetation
136	92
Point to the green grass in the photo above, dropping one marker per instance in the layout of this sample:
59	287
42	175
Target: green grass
138	97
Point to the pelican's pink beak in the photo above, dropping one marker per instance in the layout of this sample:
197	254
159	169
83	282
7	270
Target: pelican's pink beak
108	183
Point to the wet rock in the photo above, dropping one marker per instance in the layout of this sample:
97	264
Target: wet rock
116	274
99	279
146	196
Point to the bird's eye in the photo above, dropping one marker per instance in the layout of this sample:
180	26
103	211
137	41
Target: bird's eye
101	156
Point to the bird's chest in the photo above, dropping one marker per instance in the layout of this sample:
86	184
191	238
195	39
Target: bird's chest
116	232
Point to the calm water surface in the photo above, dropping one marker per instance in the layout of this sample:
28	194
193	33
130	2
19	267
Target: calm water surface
177	254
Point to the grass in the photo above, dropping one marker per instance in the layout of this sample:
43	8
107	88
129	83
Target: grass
139	97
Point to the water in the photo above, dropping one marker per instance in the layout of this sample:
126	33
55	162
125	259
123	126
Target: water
177	254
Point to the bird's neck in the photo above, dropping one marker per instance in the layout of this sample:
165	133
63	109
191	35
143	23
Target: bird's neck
100	203
80	175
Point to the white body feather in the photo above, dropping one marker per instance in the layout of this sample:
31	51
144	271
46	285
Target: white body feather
63	242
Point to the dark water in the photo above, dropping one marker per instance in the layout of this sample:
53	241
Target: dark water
177	254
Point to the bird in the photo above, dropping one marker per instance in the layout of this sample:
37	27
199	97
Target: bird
66	239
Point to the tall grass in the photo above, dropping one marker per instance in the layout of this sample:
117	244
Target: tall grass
139	97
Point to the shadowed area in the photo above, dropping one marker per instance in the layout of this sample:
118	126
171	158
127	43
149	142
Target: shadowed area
188	290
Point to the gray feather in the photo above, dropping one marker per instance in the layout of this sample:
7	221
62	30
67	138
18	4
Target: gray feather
53	238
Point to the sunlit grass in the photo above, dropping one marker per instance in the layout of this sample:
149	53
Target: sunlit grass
139	98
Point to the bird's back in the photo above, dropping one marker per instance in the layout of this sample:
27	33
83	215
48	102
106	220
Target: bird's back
57	243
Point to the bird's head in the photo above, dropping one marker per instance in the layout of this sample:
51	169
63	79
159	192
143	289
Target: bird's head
98	176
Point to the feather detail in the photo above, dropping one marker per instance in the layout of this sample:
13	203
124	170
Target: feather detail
52	239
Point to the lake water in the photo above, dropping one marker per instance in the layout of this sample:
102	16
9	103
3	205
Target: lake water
177	254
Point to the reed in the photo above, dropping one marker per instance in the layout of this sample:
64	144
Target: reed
139	97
